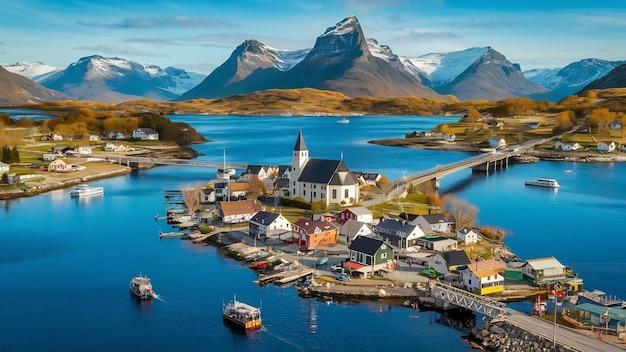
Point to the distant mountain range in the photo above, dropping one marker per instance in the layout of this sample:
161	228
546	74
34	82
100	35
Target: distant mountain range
342	60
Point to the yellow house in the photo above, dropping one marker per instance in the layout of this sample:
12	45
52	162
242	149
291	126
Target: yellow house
482	282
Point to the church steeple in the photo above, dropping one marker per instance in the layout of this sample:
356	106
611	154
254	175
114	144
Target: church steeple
299	157
300	145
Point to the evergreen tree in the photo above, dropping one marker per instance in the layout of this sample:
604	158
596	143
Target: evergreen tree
15	155
5	178
6	154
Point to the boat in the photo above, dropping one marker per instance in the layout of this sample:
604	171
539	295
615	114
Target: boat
322	257
141	287
242	315
343	120
599	298
86	190
543	182
225	173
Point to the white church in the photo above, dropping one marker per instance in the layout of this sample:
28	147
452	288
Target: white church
321	179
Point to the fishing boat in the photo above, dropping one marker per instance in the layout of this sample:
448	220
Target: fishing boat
343	120
86	190
242	315
543	182
141	287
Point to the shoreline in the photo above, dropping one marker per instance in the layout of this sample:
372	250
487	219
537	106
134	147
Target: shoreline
541	154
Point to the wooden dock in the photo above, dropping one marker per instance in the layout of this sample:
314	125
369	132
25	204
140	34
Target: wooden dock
285	277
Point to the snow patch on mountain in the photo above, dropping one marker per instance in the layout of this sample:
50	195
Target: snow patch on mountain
577	74
34	70
443	68
348	25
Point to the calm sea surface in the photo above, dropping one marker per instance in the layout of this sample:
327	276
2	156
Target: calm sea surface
65	263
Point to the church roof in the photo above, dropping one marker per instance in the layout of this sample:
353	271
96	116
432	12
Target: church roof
325	171
300	145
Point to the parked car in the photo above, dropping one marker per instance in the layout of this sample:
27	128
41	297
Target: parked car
345	277
337	268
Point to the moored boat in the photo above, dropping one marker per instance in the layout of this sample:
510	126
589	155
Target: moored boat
86	190
141	287
242	315
344	120
543	182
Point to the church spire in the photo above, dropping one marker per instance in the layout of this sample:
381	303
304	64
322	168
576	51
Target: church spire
300	145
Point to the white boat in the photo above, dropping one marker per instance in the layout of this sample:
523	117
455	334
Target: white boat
543	182
344	120
225	173
86	190
141	287
242	315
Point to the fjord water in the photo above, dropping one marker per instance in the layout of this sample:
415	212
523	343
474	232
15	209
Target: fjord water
65	263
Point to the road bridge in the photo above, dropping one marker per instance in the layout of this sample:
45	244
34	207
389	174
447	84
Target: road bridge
130	160
486	161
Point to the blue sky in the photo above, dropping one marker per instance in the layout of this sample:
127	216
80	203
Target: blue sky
200	35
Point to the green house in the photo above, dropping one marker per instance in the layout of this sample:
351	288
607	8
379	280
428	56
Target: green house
369	256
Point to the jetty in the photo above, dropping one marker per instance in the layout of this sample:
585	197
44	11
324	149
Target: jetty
175	234
285	277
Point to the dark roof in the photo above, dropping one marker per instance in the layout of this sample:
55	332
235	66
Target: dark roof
264	217
438	218
281	183
309	226
328	172
253	169
282	169
300	145
367	245
393	227
458	257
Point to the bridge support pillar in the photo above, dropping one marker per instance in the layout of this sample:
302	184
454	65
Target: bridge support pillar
435	183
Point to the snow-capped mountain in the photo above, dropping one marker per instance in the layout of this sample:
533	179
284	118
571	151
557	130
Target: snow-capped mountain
114	79
568	80
34	70
614	79
339	61
19	90
443	68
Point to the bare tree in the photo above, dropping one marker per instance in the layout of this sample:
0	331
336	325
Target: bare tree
464	212
191	197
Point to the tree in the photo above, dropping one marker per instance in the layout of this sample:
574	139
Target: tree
257	186
383	182
464	212
191	197
15	155
473	115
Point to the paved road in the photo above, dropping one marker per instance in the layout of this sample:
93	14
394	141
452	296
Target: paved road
564	336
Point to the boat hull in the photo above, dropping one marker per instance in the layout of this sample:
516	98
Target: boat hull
249	325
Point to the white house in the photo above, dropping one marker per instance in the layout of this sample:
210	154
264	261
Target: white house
544	270
94	137
59	165
4	167
398	233
606	147
57	137
353	229
144	133
496	142
320	179
82	150
116	135
615	125
566	147
467	235
437	243
110	147
237	211
262	172
265	224
449	137
361	214
482	282
207	195
449	261
435	222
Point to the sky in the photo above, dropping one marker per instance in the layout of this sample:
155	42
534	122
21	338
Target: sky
199	35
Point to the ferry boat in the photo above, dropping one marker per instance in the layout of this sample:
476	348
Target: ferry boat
141	287
543	182
343	120
242	315
86	190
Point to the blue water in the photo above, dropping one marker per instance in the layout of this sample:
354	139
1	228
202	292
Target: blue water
65	263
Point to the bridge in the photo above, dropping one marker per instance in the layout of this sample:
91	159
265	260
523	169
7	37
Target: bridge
573	340
130	160
487	161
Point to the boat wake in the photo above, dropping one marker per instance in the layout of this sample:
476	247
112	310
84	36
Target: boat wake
156	296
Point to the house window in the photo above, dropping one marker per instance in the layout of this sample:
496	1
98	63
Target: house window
294	183
304	192
314	186
334	194
314	194
383	256
346	193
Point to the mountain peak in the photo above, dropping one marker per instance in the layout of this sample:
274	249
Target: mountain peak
347	25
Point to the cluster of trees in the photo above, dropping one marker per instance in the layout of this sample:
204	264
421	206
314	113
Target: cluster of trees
9	155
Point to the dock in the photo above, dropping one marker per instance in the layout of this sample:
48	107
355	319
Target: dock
174	234
285	277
